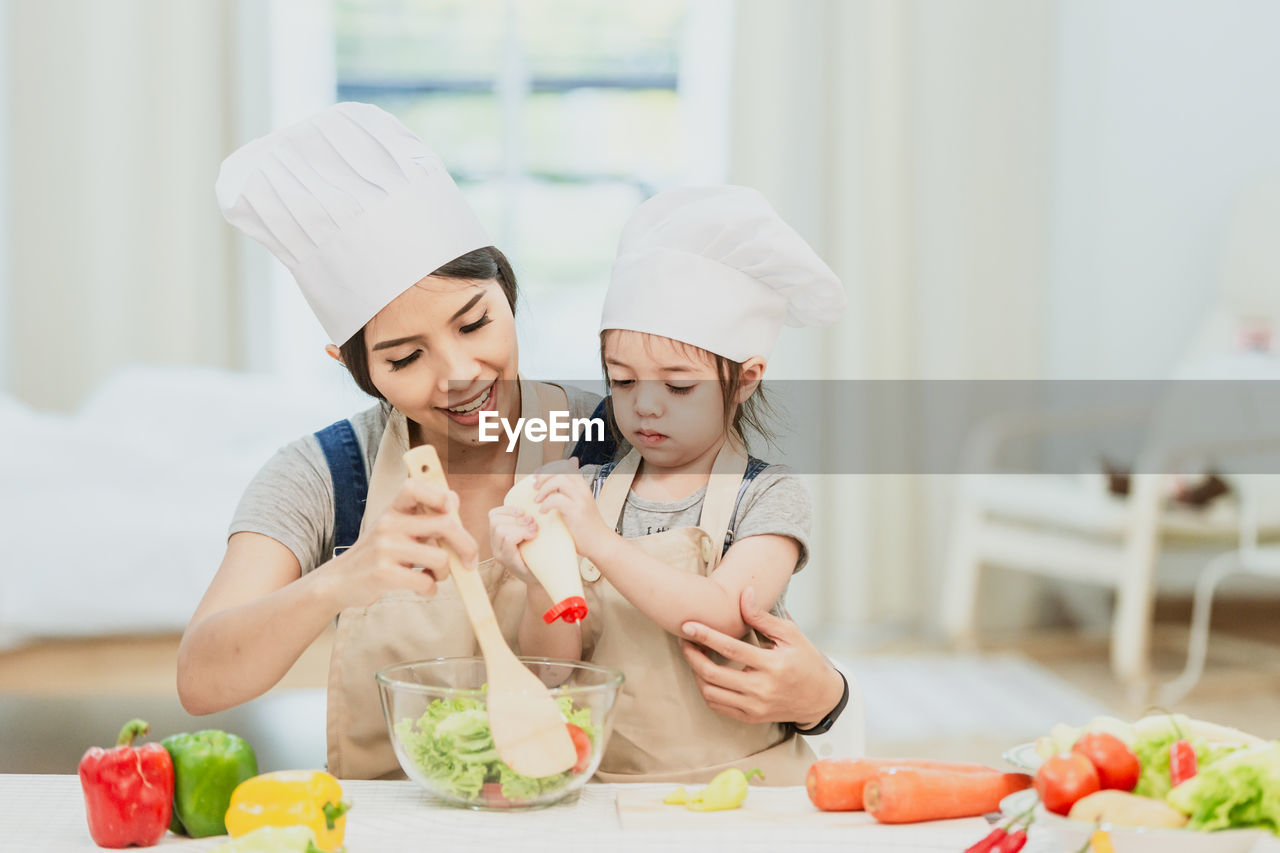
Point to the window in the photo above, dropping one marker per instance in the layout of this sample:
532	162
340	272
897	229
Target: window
556	118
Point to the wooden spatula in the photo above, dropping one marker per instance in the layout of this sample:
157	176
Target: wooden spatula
528	729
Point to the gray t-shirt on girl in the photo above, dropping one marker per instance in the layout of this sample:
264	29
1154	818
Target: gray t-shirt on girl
291	498
774	502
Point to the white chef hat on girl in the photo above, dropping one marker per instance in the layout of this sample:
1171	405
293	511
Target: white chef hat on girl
354	204
717	267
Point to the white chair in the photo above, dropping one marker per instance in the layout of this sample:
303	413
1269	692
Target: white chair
1249	558
1071	527
1067	528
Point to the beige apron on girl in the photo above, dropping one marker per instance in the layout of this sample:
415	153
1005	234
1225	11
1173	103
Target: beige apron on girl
402	626
663	730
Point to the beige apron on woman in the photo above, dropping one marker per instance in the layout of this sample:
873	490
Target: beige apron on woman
663	730
402	626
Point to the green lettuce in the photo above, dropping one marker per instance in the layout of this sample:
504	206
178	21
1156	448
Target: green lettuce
452	745
1152	749
1241	790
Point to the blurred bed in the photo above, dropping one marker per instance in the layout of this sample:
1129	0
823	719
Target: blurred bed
115	516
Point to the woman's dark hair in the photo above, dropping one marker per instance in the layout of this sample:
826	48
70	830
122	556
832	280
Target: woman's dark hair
480	265
751	416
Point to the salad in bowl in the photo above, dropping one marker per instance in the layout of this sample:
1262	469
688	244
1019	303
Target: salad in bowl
1165	782
439	726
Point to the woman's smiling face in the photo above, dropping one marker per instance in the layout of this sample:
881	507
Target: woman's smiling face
441	352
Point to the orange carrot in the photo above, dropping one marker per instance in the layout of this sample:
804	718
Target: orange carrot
835	784
908	795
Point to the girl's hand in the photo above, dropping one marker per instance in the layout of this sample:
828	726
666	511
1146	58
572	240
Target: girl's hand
403	549
508	527
570	494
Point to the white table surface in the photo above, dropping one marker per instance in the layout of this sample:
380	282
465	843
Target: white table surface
40	813
46	813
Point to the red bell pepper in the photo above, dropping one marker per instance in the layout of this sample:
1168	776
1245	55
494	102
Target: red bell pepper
128	790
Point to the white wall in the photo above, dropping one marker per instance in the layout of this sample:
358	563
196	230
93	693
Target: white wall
119	254
6	127
1166	109
909	143
300	79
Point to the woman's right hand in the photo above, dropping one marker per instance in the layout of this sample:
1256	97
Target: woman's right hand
405	548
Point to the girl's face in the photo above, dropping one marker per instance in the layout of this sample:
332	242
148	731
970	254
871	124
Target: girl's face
441	352
666	397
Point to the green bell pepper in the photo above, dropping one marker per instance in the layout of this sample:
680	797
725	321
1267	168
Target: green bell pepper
207	767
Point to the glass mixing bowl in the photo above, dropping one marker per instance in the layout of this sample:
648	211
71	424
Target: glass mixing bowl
438	724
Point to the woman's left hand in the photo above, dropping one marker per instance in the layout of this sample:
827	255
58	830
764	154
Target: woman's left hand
571	496
508	527
792	682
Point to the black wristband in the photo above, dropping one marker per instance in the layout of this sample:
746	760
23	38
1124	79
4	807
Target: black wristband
824	725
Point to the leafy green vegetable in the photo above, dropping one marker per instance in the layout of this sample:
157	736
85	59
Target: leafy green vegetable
452	746
1062	737
1152	749
1240	790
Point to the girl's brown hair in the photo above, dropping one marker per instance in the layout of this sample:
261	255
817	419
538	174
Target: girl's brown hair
750	416
480	265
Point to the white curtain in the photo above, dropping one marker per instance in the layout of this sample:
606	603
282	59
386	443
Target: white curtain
910	143
120	114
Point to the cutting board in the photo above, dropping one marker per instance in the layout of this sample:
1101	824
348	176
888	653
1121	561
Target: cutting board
641	807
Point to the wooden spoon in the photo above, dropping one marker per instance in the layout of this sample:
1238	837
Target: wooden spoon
528	729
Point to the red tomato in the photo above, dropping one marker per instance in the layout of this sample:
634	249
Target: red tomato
491	793
1116	764
1065	778
582	744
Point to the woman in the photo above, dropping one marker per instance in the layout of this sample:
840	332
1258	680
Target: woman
403	278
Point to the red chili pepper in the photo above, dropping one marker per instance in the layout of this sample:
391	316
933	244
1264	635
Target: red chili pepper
1182	762
988	844
1000	834
128	791
1012	843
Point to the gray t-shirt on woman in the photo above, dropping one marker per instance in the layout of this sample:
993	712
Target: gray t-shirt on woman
291	498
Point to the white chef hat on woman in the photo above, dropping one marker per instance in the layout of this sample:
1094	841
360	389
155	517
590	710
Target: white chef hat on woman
354	204
717	267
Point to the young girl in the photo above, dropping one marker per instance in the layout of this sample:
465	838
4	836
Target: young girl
677	529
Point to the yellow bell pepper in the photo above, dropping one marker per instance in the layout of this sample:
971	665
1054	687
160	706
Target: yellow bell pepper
273	839
1100	842
727	791
309	798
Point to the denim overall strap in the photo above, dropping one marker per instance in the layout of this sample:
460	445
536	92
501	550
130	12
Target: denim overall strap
597	452
754	467
601	475
350	486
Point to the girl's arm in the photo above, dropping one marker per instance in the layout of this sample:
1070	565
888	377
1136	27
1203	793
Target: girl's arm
259	613
508	527
671	597
668	596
